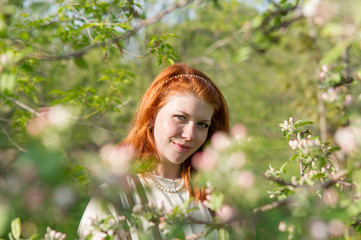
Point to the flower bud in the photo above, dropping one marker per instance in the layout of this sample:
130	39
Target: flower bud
282	226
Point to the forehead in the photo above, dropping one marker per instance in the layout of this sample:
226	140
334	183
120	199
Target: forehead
188	103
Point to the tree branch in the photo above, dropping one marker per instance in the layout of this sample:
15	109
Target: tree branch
20	104
335	178
12	141
280	181
289	200
127	35
222	42
273	205
84	18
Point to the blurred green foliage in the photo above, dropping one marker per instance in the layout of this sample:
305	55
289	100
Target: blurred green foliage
96	58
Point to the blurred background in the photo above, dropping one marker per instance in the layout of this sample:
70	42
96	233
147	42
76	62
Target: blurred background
72	72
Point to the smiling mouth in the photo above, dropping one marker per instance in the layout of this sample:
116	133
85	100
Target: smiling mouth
182	147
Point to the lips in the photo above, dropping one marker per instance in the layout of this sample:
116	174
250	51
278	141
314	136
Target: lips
182	147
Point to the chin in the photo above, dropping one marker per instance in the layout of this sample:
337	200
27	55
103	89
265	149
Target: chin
178	161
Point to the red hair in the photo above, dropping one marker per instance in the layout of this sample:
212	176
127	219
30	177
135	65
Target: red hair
156	96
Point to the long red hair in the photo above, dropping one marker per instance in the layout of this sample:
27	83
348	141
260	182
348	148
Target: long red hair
140	135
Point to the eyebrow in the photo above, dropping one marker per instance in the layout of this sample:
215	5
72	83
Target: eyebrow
187	115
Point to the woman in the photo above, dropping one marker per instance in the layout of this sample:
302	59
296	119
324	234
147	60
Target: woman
178	114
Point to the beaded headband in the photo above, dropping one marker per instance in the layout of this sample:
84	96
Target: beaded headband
189	75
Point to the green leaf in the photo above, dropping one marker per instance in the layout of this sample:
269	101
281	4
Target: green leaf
80	62
297	125
16	228
334	53
223	234
243	54
282	169
333	149
296	156
7	82
216	201
177	233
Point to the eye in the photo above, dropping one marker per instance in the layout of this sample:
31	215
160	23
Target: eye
180	117
203	125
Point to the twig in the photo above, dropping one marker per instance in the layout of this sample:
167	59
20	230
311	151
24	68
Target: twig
12	141
273	205
279	11
302	169
289	200
323	122
222	42
335	178
194	236
85	19
20	104
280	181
135	55
4	119
127	35
284	24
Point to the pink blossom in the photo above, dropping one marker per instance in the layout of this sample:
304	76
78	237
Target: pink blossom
206	203
226	213
237	159
282	226
118	158
345	138
162	225
330	197
325	68
336	228
57	116
319	12
293	144
220	141
318	230
206	160
99	236
245	179
34	199
348	100
239	131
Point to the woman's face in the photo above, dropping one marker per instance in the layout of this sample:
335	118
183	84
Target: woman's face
181	127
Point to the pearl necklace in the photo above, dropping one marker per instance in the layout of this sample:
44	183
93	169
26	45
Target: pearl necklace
166	189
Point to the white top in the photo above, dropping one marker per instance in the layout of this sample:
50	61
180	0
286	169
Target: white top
158	198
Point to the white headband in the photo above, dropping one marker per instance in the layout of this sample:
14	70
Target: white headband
189	75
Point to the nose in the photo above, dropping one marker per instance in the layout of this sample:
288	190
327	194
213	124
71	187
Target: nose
188	132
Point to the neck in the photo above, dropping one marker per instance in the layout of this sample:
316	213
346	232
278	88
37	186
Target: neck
171	172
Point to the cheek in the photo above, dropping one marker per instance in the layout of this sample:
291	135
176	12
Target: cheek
166	128
202	138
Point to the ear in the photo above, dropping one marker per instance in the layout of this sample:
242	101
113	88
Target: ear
151	124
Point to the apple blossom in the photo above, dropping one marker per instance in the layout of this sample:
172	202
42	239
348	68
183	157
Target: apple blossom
345	138
206	160
318	230
239	131
118	158
348	100
237	159
282	226
53	235
226	213
336	228
245	179
330	197
220	141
